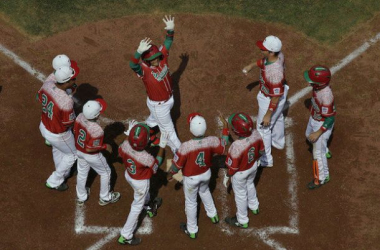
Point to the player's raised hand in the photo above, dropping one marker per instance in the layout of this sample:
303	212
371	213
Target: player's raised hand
131	124
144	45
169	21
222	120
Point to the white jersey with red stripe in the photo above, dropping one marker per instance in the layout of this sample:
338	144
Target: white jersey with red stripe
57	107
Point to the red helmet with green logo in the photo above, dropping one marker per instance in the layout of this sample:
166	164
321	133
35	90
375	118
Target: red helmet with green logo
241	124
152	53
139	137
318	76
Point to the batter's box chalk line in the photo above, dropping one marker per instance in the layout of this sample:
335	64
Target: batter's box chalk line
263	234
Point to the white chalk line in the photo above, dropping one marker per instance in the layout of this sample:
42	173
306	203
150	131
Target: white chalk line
263	233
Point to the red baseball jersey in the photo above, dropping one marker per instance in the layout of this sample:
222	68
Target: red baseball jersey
140	165
243	153
322	104
88	135
272	76
157	80
194	156
57	107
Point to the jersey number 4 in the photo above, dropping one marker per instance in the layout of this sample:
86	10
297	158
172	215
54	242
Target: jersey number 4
200	161
47	107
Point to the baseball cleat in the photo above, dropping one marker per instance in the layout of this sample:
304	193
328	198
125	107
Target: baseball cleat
81	203
62	187
328	155
183	227
255	211
312	185
115	197
47	143
133	242
153	207
234	222
327	179
215	219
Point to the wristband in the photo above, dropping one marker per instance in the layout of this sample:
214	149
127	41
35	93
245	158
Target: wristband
225	131
135	60
272	106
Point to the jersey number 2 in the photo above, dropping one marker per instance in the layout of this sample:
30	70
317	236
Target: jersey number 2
47	107
200	161
81	138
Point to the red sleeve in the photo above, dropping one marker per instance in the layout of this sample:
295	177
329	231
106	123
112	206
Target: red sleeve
68	117
260	63
179	160
164	51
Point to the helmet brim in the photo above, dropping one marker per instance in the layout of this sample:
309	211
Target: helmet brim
153	57
307	77
261	46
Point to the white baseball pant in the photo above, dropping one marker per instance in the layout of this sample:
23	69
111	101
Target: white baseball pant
245	193
320	147
192	186
100	165
160	115
64	154
273	135
141	197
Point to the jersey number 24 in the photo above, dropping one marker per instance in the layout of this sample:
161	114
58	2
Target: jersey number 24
47	107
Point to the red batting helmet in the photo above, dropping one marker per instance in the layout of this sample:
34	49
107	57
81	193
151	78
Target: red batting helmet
318	76
241	124
152	53
139	136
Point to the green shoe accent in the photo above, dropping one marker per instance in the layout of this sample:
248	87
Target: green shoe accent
327	179
121	240
255	212
193	236
48	186
47	143
150	214
328	155
215	219
244	225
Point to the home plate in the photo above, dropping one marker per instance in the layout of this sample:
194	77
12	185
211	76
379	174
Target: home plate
178	176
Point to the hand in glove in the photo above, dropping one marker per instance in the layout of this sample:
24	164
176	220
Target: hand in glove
164	139
169	21
144	45
131	124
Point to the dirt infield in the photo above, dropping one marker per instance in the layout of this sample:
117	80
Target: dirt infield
206	59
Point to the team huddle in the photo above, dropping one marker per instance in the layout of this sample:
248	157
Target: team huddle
79	137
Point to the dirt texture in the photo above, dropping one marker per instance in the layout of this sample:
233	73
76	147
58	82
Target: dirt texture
206	60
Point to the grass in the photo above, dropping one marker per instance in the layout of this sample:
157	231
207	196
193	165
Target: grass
324	20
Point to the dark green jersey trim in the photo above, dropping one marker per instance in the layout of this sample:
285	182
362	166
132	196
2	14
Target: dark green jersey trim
329	122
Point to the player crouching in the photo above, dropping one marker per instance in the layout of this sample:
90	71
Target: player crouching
242	166
89	142
194	158
140	166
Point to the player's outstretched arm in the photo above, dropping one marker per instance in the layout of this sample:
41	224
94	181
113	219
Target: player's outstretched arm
134	63
169	22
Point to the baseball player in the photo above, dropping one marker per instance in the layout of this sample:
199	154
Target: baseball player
89	142
56	120
60	61
271	97
194	159
140	166
154	72
321	121
242	166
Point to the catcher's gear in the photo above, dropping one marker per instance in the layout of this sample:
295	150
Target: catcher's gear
241	124
197	124
318	76
152	53
92	109
139	137
169	21
144	45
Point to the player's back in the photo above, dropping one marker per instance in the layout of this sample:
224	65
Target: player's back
195	155
57	108
88	134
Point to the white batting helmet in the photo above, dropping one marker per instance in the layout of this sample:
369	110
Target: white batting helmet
92	109
270	43
61	61
198	124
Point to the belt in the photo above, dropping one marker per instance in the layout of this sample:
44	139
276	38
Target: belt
164	101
